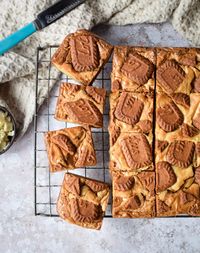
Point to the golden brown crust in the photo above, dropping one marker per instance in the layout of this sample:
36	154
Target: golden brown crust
133	195
82	55
133	69
70	148
177	132
83	201
81	104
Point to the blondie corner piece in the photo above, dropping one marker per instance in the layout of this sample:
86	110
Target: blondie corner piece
70	148
82	55
81	104
83	201
133	195
178	133
178	72
133	69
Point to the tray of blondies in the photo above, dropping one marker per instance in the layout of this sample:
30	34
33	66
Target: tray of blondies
118	134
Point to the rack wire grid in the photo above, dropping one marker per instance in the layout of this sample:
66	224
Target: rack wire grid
47	185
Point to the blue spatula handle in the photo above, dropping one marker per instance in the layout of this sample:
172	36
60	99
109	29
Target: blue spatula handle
16	37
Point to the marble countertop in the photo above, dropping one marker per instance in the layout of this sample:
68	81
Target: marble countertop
21	231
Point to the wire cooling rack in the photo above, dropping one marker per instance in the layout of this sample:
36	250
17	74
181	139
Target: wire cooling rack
47	185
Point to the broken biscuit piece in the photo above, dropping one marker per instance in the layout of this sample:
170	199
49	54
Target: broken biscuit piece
82	55
70	148
83	201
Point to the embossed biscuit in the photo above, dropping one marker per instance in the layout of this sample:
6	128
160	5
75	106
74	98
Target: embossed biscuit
83	201
70	148
133	69
170	76
131	152
82	55
165	176
128	109
180	153
81	104
133	195
178	72
136	151
169	117
131	111
176	121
